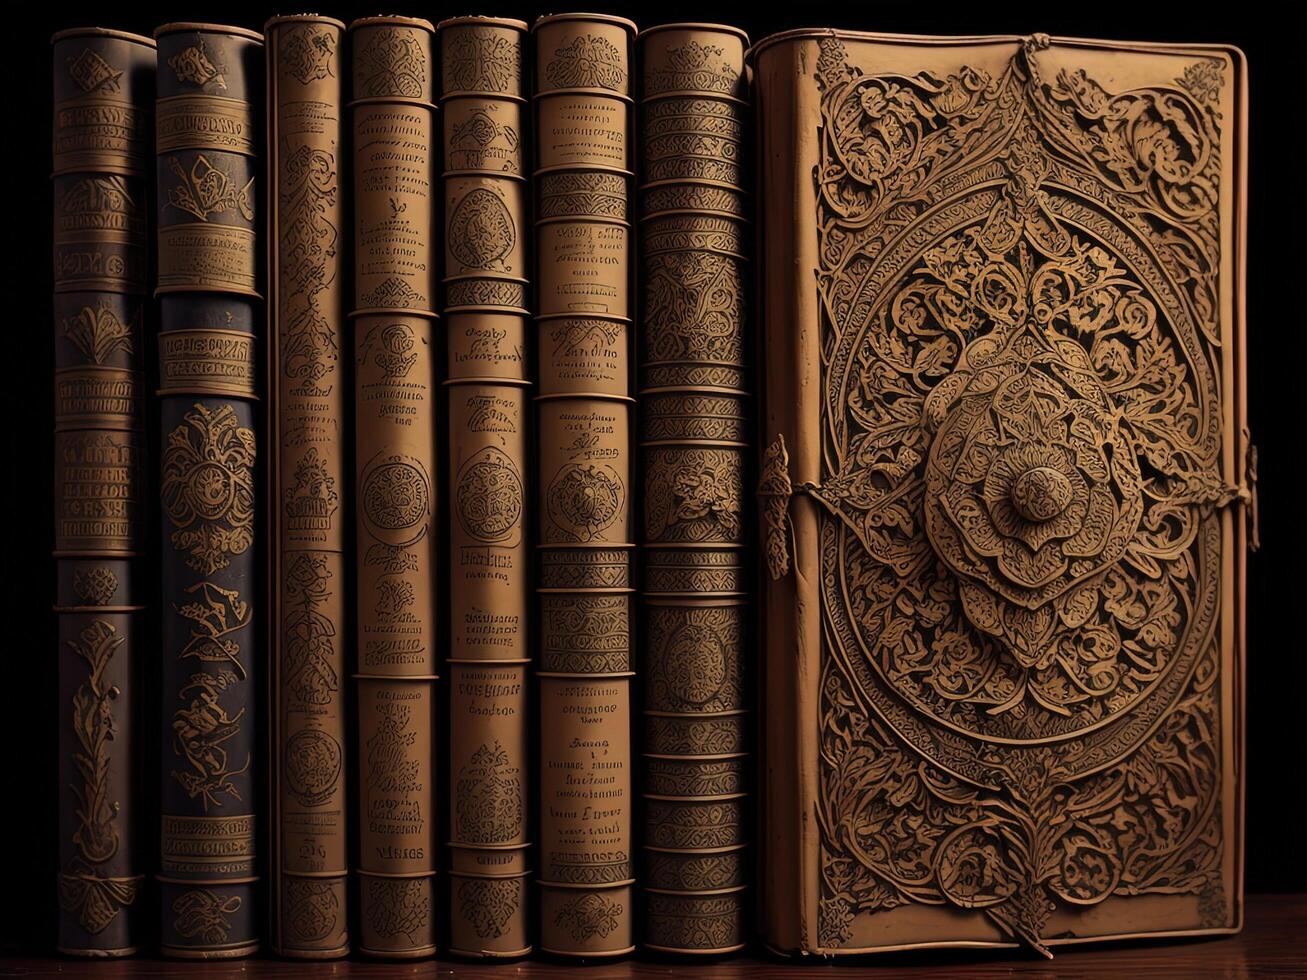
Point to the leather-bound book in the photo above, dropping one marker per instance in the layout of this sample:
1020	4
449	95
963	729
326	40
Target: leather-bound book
392	109
306	464
695	241
583	104
209	140
1006	489
103	107
485	183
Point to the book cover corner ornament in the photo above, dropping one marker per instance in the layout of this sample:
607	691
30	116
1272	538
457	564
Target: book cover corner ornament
1019	482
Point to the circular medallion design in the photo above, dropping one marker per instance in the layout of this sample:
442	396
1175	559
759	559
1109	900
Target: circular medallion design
489	496
313	760
695	664
584	499
481	230
396	496
210	490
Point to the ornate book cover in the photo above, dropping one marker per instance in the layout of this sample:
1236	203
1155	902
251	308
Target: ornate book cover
485	182
395	279
583	102
103	111
695	430
209	140
306	409
1005	489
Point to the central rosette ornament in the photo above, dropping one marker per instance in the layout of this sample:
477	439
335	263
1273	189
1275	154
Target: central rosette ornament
1032	488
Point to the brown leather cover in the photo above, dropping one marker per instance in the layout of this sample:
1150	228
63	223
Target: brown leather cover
103	106
307	586
208	140
694	435
1005	490
583	109
483	84
395	278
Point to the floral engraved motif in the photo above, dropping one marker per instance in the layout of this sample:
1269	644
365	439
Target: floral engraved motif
208	487
692	304
481	231
95	898
391	63
199	730
1203	80
208	188
311	501
192	65
312	909
489	807
307	51
693	495
1020	705
397	906
99	333
488	903
308	244
307	634
489	496
585	499
589	915
481	62
216	615
588	61
204	915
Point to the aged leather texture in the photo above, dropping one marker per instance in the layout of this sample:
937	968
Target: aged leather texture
209	198
1010	569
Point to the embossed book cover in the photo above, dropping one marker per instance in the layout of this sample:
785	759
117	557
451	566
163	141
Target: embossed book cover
1004	492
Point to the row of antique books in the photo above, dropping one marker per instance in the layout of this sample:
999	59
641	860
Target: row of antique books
458	317
367	256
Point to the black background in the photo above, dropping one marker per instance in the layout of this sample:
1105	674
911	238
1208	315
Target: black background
1276	46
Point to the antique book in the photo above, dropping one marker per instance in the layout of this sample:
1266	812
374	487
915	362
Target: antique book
103	109
1005	491
484	186
306	411
208	140
583	109
695	428
392	109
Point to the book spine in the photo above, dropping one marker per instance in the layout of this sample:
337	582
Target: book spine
208	138
306	407
103	106
583	165
485	321
693	442
395	280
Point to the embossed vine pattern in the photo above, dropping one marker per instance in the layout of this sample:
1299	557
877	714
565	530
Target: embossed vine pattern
1020	551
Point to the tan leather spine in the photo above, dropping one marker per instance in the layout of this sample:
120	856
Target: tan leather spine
583	110
103	88
485	185
695	432
307	589
395	279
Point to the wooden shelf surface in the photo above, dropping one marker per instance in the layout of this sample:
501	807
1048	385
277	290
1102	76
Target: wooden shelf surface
1273	944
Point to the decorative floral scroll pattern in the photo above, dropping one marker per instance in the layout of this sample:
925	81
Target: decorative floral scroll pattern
1020	708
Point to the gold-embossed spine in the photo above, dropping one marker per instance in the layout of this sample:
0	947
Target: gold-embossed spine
694	437
485	185
583	112
103	88
396	258
306	282
208	144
